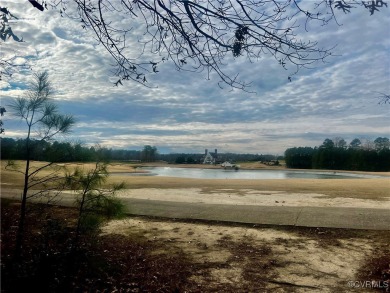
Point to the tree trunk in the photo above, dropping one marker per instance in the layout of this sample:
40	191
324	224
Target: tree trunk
20	233
81	212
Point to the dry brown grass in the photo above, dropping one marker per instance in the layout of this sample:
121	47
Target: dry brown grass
10	178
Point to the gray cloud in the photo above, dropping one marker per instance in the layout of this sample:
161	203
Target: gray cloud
185	112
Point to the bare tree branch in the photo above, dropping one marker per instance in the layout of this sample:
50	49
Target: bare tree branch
384	98
204	35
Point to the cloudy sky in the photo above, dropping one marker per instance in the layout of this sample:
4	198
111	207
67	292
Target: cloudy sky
185	112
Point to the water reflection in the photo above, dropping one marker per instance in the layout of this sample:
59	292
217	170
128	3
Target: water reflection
247	174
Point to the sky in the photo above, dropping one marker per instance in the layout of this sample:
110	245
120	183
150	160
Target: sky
185	112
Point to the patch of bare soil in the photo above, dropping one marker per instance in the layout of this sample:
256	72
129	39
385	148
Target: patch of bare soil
255	259
158	255
111	263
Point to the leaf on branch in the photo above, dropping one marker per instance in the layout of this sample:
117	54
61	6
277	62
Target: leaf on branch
239	41
344	6
372	5
240	33
237	48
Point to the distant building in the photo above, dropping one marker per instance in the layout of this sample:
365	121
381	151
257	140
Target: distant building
210	158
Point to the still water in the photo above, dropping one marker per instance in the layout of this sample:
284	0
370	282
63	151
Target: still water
246	174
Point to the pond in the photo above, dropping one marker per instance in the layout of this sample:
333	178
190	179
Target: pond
245	174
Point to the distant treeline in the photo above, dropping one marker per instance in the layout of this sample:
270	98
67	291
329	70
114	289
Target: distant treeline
12	149
222	157
337	155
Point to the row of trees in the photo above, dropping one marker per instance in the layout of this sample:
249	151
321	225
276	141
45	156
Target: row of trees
43	150
55	151
378	144
332	154
231	157
337	155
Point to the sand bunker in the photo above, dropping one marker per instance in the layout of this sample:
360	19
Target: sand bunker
250	197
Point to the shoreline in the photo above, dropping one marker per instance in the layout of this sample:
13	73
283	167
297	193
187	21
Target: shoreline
356	188
119	167
259	167
353	174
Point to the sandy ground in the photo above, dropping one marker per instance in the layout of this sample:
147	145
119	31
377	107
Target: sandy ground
250	197
284	259
303	262
370	193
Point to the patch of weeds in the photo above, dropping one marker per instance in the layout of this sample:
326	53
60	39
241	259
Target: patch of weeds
224	241
111	263
376	268
257	261
282	241
6	202
346	234
143	270
327	237
137	237
259	265
246	249
326	242
202	246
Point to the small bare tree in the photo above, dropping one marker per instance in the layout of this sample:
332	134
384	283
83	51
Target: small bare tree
43	121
